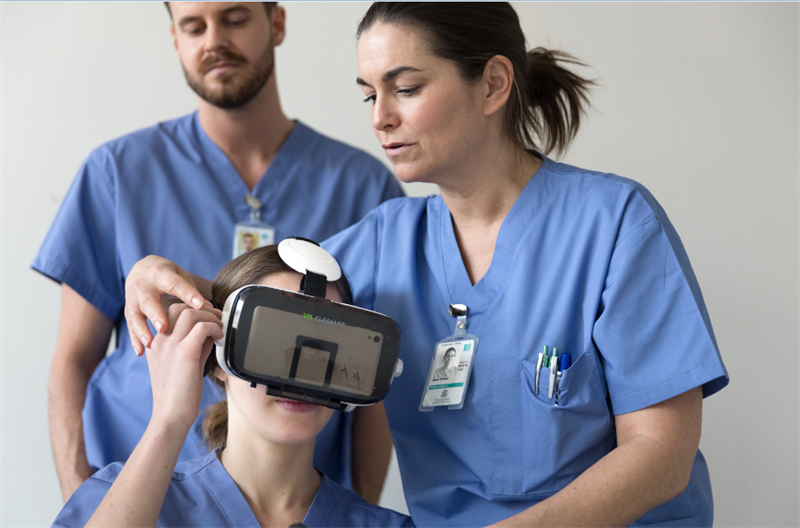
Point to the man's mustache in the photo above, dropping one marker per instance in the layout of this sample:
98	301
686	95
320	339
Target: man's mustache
213	59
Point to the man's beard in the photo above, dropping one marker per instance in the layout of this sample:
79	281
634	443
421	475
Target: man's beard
234	93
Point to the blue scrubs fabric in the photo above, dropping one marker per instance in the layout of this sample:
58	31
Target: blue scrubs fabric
584	262
202	493
170	191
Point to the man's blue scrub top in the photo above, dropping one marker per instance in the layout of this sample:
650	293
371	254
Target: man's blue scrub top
170	191
585	262
202	493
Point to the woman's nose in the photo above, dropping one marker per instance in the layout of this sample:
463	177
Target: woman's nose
384	115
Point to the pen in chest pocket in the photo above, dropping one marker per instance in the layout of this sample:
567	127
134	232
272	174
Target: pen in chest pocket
553	364
566	362
557	364
539	363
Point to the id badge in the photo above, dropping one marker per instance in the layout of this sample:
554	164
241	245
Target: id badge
451	367
252	233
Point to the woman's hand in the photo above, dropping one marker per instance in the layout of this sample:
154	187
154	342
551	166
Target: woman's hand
148	280
176	360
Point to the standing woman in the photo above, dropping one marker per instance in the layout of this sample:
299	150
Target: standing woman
542	254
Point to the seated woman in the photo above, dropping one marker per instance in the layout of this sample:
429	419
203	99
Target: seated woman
259	471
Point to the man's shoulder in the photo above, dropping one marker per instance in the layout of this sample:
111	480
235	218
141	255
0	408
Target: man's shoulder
157	136
329	150
313	137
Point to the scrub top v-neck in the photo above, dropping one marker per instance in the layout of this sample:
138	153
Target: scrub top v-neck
452	277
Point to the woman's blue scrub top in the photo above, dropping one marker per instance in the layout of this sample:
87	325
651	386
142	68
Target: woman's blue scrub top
585	262
203	494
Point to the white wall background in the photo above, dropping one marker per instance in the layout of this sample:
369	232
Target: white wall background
697	101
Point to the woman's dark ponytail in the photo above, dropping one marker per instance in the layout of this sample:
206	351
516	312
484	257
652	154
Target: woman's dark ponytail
556	99
544	110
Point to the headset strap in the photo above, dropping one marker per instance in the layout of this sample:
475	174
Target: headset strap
314	284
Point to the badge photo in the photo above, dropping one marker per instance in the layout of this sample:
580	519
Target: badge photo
251	235
449	374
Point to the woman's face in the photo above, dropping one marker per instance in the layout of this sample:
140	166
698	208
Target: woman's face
277	420
429	121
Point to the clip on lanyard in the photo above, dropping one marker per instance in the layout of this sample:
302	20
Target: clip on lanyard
252	233
451	366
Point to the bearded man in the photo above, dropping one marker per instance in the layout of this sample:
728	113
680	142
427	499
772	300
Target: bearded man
181	189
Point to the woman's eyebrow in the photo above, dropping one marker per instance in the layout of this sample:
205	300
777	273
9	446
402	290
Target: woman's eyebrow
389	75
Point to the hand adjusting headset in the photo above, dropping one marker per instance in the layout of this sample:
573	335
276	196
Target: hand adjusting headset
303	346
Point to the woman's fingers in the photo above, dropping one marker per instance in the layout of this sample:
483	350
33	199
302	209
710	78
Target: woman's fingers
186	339
184	319
201	339
148	280
175	281
165	278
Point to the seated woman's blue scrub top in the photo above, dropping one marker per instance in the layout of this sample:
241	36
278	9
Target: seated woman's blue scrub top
203	494
585	262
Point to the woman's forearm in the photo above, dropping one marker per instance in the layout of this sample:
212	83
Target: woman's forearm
136	497
175	362
651	465
616	491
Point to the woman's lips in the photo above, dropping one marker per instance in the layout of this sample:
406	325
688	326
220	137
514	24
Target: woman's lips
296	406
395	149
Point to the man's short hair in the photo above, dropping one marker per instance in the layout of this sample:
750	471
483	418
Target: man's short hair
269	6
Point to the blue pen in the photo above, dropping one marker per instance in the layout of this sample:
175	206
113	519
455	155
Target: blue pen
564	363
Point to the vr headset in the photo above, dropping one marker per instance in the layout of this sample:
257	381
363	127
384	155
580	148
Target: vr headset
304	347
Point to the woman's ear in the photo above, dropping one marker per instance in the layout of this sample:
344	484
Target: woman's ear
498	80
221	375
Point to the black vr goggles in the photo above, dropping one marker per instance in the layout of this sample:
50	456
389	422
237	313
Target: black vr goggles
305	347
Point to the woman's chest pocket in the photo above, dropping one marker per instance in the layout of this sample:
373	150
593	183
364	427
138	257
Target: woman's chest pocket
540	447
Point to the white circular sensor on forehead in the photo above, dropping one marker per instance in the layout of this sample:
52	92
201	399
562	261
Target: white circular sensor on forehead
302	256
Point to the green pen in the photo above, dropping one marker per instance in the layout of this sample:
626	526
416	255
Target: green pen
547	358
